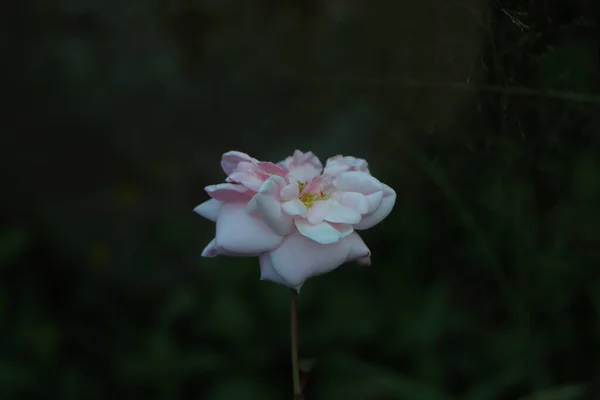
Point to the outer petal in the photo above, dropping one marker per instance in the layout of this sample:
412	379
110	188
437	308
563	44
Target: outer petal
357	181
389	199
299	258
268	205
356	201
213	250
374	201
247	179
227	192
244	234
231	159
359	251
209	209
342	214
272	169
267	272
338	164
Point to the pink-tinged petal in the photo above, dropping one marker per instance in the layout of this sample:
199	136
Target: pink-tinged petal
267	272
246	179
359	251
303	166
357	181
374	201
295	208
214	250
343	229
338	164
209	209
244	234
322	233
356	201
318	211
313	186
270	208
341	214
227	192
289	192
273	169
299	258
231	159
387	204
211	250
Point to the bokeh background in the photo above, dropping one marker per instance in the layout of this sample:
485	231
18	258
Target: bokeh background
484	115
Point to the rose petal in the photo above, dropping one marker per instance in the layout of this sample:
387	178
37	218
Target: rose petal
374	201
231	159
270	208
241	233
357	181
299	258
227	192
211	250
359	251
341	214
209	209
338	164
389	199
274	169
343	229
289	192
214	250
356	201
267	272
295	208
248	180
303	166
322	233
318	211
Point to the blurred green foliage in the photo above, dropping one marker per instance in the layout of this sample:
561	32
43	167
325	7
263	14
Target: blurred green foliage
483	115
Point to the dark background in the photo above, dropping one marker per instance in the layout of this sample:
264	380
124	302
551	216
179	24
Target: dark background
483	115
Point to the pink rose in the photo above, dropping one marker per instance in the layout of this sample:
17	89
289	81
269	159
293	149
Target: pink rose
299	220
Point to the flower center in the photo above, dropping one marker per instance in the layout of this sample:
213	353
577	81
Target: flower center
309	198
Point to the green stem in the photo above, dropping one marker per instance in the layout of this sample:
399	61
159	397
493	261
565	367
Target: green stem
294	328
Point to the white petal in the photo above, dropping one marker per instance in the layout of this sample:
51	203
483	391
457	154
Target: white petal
387	204
341	214
295	207
270	208
357	181
318	211
356	201
374	201
209	209
322	233
267	272
290	191
299	258
244	234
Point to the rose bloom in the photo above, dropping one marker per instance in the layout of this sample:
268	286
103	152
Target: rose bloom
299	218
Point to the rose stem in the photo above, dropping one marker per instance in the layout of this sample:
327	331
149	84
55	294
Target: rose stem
294	328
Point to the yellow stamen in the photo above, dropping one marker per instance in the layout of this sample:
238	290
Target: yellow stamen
309	198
